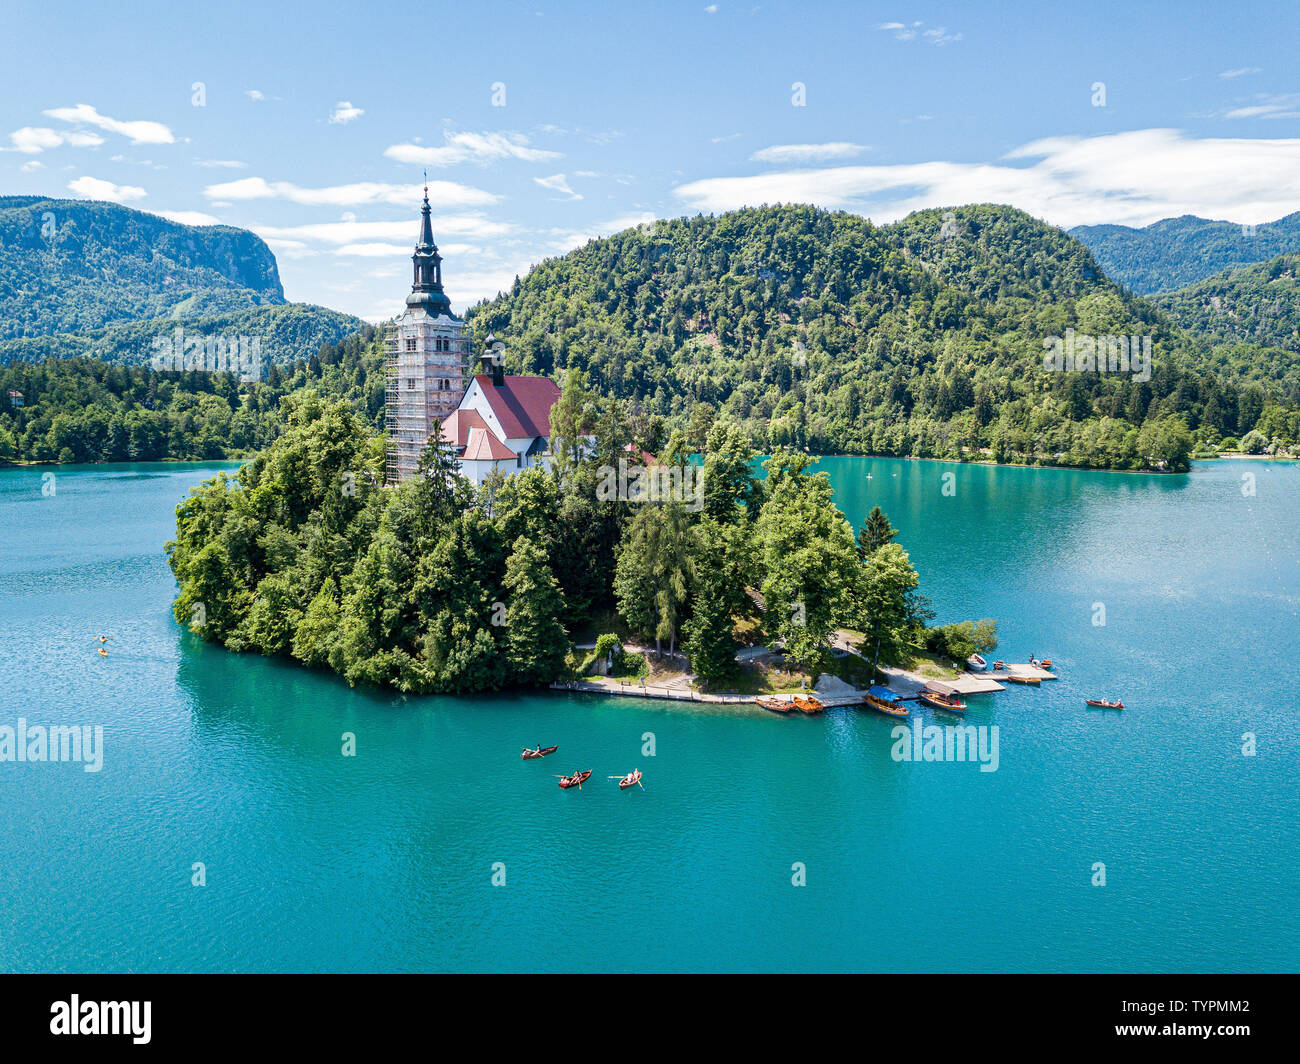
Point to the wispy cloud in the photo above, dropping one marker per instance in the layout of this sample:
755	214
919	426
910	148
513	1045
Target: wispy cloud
32	140
96	189
1131	178
479	148
344	113
1286	105
401	233
447	193
139	131
1239	72
794	154
558	183
221	164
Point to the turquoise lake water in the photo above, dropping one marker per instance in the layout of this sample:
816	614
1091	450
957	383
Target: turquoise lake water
384	861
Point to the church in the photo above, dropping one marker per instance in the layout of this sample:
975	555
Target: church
491	420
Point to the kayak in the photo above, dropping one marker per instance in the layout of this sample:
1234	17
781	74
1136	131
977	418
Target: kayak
576	780
538	753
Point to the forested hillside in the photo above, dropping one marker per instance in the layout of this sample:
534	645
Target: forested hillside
287	334
1256	304
86	410
817	329
1175	252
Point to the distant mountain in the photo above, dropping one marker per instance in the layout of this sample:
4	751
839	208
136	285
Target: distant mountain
69	265
1176	252
80	278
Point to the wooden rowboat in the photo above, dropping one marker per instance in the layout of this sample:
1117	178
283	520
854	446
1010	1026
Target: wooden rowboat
576	780
540	752
776	705
1102	703
808	705
630	780
1013	678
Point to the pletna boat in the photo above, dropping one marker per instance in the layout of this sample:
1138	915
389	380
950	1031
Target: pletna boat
1103	703
538	752
776	705
886	701
941	696
808	705
976	663
576	780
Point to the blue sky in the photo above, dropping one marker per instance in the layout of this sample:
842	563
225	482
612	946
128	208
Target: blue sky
317	121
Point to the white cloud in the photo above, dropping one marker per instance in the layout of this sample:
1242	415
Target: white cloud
139	132
712	9
558	183
477	148
344	112
189	217
31	166
441	192
96	189
221	164
1240	72
910	31
794	154
254	94
1132	178
32	140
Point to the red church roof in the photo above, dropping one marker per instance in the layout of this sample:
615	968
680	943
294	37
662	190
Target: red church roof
482	446
456	428
521	404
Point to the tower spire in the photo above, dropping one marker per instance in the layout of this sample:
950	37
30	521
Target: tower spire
426	291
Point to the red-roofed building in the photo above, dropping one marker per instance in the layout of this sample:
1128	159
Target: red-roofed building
502	422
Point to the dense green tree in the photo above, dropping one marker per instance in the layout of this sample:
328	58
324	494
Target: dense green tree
535	638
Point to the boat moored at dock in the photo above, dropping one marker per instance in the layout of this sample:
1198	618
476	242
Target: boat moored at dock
886	701
976	663
774	705
941	696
